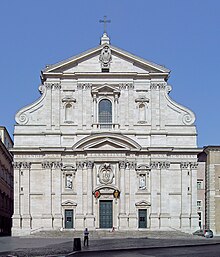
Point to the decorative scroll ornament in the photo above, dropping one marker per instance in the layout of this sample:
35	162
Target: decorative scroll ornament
106	174
188	119
23	119
105	57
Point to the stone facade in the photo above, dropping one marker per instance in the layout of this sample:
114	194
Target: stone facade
6	182
212	192
105	146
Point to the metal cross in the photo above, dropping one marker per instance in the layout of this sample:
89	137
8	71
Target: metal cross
105	21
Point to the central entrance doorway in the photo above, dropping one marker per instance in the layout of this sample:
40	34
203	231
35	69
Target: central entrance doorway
105	213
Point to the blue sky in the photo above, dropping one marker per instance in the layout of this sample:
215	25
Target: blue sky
183	35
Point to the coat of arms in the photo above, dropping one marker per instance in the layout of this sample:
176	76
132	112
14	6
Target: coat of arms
106	174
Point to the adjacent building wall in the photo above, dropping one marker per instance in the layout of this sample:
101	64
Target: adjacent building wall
6	182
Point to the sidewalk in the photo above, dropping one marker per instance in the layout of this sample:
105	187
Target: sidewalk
64	246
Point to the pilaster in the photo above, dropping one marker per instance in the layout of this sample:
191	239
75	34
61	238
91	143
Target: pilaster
90	218
26	217
17	204
79	189
47	210
123	219
56	190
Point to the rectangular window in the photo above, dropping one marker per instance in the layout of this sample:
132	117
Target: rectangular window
199	184
199	203
200	219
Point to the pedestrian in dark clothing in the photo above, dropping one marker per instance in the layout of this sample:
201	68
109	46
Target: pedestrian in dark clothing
86	237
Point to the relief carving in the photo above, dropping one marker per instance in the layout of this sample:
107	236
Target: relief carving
106	174
105	57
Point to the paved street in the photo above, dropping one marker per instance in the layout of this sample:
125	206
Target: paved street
195	251
101	247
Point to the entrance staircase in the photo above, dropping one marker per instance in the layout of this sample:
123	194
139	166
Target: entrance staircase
102	234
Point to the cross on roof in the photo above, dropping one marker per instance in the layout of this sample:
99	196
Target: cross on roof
105	21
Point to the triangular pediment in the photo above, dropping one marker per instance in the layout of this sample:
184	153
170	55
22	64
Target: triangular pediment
88	62
107	142
105	89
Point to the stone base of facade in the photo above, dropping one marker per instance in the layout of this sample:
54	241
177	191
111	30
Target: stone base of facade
26	225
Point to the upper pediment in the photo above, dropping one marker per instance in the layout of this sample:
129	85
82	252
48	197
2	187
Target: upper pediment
118	61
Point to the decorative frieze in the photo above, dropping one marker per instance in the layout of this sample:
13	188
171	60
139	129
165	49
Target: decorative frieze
127	165
89	164
160	165
53	85
84	86
122	165
57	165
126	86
24	165
16	165
47	165
157	86
80	165
186	165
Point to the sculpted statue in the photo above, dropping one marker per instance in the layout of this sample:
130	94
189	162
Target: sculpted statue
105	56
69	181
142	182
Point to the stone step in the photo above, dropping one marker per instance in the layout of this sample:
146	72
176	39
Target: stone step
97	234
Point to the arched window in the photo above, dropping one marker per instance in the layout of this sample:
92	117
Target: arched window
105	111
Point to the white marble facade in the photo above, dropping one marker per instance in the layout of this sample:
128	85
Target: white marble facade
105	146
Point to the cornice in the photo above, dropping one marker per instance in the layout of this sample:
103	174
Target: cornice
78	75
211	148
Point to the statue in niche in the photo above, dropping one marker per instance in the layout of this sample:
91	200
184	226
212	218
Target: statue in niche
106	174
142	182
69	181
105	57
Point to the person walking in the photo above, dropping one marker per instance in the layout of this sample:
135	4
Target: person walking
86	237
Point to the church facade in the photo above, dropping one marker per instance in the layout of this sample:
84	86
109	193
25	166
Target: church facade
105	146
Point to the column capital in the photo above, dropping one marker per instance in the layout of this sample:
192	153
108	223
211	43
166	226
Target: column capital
89	164
122	165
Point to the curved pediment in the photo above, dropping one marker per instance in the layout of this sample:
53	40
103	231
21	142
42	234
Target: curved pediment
69	203
107	142
142	203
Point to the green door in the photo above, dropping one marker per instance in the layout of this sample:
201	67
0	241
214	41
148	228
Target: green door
105	214
68	218
142	218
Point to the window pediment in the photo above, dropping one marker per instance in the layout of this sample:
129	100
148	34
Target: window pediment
105	89
69	203
142	203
